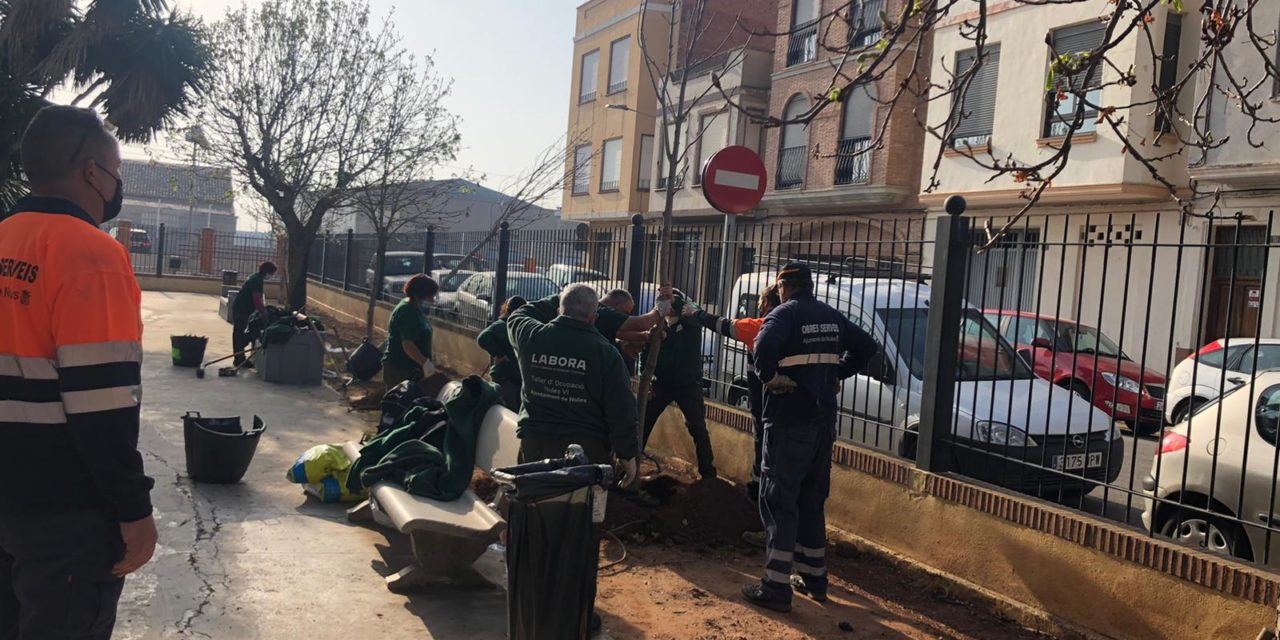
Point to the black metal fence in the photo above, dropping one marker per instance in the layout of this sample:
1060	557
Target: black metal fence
1123	365
1119	364
158	251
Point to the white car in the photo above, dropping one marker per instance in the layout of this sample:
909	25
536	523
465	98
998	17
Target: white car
1011	427
474	302
1213	481
564	274
1219	366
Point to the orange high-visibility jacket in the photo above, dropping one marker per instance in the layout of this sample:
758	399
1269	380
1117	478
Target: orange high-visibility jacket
70	366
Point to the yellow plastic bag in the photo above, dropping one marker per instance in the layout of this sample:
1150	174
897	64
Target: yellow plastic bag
322	470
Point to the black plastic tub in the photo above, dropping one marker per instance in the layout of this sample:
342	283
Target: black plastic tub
188	351
219	450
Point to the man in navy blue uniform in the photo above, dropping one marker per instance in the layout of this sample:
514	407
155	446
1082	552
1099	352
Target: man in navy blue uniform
803	351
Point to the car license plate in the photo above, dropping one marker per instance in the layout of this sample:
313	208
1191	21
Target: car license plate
1077	461
1159	405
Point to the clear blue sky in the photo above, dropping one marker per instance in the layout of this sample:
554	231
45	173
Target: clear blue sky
510	60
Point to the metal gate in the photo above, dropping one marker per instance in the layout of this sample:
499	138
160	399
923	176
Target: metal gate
1005	275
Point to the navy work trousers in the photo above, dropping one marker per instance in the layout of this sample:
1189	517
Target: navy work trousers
795	482
55	576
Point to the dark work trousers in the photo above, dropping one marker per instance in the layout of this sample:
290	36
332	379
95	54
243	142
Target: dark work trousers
689	399
755	392
55	576
240	339
796	478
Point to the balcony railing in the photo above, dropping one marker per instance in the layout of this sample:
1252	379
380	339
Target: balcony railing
608	185
853	161
803	45
791	168
620	85
584	98
864	27
662	182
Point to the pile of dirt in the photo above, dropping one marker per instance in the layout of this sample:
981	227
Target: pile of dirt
710	512
483	485
668	509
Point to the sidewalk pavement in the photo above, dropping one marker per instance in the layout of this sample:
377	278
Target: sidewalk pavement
258	559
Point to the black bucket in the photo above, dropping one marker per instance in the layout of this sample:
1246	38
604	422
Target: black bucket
365	362
219	450
188	351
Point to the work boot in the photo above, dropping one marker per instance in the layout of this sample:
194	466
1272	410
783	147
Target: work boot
759	539
755	594
817	595
248	364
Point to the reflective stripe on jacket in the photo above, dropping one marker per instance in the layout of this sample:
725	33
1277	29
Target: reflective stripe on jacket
70	366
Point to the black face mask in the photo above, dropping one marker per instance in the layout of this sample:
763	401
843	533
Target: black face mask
111	208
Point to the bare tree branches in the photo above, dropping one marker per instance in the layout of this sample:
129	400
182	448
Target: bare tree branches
1138	82
304	101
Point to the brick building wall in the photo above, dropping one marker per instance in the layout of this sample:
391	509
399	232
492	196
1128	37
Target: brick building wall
897	160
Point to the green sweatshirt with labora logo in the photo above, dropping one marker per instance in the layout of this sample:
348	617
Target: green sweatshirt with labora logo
575	382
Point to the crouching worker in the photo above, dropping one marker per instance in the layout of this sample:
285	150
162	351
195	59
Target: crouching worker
409	334
249	299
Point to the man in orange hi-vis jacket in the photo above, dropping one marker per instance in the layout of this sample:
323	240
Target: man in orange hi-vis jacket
75	505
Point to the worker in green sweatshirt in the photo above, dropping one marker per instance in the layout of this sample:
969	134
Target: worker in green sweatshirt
409	334
575	387
678	378
503	368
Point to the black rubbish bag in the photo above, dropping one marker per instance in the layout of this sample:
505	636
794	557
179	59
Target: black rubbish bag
553	546
219	450
365	362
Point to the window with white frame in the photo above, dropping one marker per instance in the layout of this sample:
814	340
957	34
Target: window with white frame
802	43
645	181
582	170
590	77
611	165
976	117
619	53
793	146
668	135
1062	104
864	22
853	152
713	128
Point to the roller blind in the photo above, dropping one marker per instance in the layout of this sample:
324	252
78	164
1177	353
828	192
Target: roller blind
980	99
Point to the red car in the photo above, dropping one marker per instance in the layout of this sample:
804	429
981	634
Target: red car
1084	360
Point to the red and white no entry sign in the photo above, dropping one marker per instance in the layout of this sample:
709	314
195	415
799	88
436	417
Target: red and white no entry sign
734	180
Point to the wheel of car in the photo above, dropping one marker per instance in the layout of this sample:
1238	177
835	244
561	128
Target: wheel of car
1184	410
1081	390
739	399
1215	535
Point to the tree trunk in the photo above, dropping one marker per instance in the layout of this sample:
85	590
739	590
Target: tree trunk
296	269
379	263
660	331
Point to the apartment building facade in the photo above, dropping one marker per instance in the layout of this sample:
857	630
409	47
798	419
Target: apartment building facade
611	123
1248	179
1071	256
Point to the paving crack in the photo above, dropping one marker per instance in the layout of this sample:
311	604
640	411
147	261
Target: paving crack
205	552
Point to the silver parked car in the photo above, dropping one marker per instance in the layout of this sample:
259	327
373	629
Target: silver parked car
475	297
1213	482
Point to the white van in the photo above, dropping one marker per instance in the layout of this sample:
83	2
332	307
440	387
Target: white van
1011	428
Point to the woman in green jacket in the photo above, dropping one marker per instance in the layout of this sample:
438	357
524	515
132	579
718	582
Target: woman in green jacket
503	368
409	334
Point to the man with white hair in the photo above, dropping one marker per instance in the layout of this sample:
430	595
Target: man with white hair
576	388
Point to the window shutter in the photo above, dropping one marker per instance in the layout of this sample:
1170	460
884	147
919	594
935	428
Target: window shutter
980	99
795	134
859	113
1079	39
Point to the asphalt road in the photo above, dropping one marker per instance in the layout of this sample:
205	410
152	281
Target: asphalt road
1115	501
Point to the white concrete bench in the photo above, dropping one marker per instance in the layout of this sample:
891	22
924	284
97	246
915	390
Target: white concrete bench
225	302
447	537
